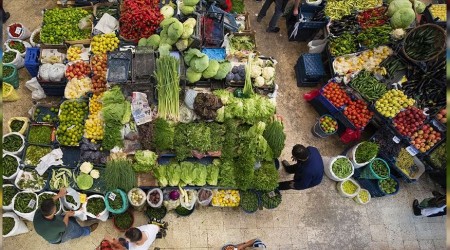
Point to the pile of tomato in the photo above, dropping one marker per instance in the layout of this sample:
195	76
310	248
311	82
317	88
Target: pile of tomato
336	95
358	113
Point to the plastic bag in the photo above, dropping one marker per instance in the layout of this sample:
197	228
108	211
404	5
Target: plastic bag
13	176
103	216
8	207
21	32
19	151
44	71
56	72
311	95
350	135
150	203
85	23
9	93
69	206
190	98
32	38
24	128
204	196
140	205
189	201
317	46
19	226
37	93
18	61
27	216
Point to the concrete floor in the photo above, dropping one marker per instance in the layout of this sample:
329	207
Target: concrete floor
313	219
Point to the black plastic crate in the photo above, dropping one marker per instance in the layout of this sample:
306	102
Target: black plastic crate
71	156
429	18
99	186
52	135
143	64
302	81
311	66
119	63
308	12
213	29
53	88
44	109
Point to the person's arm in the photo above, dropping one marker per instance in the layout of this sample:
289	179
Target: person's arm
302	183
244	245
67	216
296	6
62	193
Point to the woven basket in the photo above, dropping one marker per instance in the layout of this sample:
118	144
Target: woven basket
441	42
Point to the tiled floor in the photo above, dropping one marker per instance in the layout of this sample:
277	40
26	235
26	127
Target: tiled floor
312	219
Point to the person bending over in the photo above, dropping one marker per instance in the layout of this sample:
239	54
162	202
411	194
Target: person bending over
141	238
308	171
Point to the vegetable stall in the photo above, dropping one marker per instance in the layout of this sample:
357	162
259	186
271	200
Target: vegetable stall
383	86
168	111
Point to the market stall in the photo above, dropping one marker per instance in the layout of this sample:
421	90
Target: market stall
387	83
164	107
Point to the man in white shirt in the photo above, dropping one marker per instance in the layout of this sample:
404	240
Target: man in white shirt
141	238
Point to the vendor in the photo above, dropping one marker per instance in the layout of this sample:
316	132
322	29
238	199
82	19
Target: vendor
141	238
308	171
57	229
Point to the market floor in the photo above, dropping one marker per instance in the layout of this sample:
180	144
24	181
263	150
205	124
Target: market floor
313	219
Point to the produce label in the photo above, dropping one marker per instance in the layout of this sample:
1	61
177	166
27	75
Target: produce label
112	196
83	198
412	150
18	30
31	204
396	139
140	109
272	194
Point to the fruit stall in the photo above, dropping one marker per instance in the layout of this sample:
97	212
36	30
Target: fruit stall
385	87
168	111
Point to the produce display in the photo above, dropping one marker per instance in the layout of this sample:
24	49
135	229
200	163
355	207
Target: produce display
156	213
61	24
8	225
12	142
115	203
136	197
119	175
349	187
409	121
204	194
10	165
336	94
358	113
344	44
368	86
16	125
94	124
383	138
180	210
392	102
226	198
116	111
380	168
425	138
40	134
372	17
347	23
123	221
368	60
17	45
154	197
342	168
74	53
364	196
34	154
99	67
95	205
168	79
249	201
439	11
77	88
139	19
375	36
402	14
8	195
388	185
405	162
275	136
78	70
438	156
392	65
442	116
25	202
92	152
328	124
146	160
266	177
60	178
336	9
262	73
101	44
31	180
366	151
242	43
423	44
71	117
270	200
41	116
9	56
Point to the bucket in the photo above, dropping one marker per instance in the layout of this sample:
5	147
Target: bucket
13	78
358	200
19	226
341	189
369	173
352	157
123	214
397	187
18	61
26	44
318	131
329	169
109	198
18	31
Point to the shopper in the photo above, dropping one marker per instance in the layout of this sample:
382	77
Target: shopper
279	9
57	229
431	207
109	243
5	15
308	171
141	238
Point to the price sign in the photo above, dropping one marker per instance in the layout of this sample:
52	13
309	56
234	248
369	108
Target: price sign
83	198
396	139
18	30
272	194
31	204
412	150
112	196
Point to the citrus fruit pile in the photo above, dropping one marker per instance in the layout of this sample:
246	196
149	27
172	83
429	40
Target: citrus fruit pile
94	123
71	122
390	104
98	65
74	53
226	198
104	43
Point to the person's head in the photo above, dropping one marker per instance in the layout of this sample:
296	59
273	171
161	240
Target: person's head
48	207
133	234
300	153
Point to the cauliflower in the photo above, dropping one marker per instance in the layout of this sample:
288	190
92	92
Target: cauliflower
258	61
398	34
268	72
256	71
86	167
259	81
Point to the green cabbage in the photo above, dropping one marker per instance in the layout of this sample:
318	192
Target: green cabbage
187	172
182	44
145	161
166	22
212	69
190	2
200	172
160	174
142	42
419	6
224	69
154	41
398	5
84	181
190	22
193	76
175	31
187	10
167	11
199	64
173	173
187	31
403	18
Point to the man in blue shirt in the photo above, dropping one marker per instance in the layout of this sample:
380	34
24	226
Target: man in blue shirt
308	171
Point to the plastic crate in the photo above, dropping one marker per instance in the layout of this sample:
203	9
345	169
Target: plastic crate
218	54
327	104
312	66
52	135
143	64
53	89
229	19
44	109
71	156
431	19
32	61
99	186
308	12
119	63
301	82
213	29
